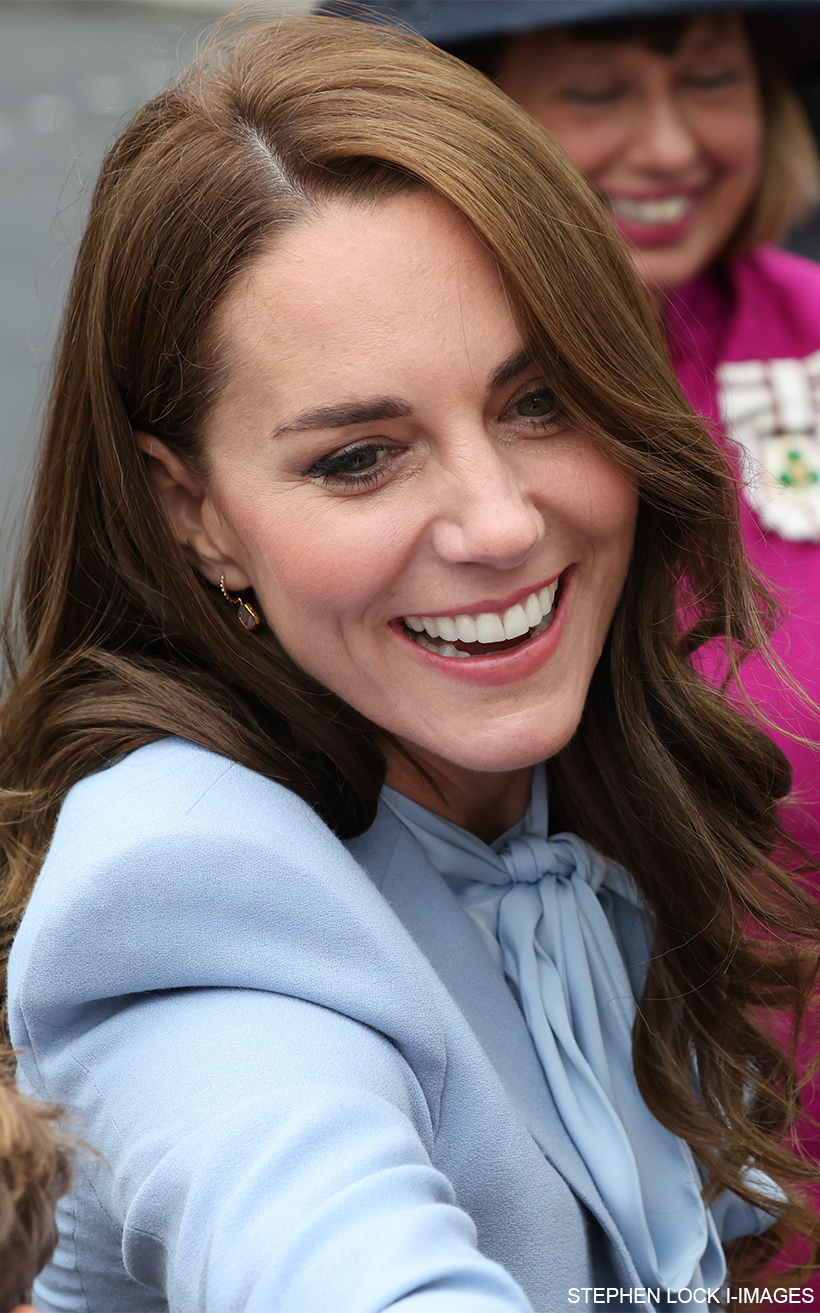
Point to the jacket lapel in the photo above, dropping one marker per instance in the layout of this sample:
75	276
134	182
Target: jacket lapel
453	947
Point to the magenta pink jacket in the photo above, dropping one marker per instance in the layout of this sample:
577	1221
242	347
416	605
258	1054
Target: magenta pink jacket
745	343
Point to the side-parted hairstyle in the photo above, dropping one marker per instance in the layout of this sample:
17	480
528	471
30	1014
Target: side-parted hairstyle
121	641
788	187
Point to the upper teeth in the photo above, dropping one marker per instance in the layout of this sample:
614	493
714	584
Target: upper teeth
669	210
490	626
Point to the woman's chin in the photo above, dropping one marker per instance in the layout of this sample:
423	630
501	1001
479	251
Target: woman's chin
663	269
488	753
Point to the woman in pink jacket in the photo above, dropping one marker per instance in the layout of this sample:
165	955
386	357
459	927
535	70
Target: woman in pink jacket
688	129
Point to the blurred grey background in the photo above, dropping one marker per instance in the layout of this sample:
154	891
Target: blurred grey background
70	74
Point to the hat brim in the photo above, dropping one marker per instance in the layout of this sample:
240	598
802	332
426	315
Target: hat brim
450	22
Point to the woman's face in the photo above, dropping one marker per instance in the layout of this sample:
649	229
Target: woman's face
672	143
427	536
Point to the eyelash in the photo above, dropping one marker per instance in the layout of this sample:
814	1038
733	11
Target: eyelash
329	470
592	98
706	82
715	81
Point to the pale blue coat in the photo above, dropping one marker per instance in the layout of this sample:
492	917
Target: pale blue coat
311	1089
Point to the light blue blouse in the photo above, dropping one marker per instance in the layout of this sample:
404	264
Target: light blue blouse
308	1085
539	905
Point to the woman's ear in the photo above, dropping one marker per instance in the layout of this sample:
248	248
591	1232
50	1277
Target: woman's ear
183	495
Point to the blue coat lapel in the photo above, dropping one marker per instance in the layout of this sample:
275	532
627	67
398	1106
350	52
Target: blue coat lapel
452	945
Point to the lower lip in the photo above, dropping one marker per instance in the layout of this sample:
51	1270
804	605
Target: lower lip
503	668
653	234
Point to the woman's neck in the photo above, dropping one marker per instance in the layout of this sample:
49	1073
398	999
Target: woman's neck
487	803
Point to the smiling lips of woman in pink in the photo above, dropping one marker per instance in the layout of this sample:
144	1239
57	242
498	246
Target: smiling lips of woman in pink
656	219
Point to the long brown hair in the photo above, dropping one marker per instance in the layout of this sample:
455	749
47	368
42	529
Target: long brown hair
123	642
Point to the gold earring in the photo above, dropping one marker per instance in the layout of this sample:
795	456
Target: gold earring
246	614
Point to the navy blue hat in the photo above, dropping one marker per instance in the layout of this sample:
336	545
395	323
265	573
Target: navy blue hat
449	23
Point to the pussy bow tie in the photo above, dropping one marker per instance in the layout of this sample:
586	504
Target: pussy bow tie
539	905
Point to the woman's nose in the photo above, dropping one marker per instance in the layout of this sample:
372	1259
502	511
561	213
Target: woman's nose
489	518
664	141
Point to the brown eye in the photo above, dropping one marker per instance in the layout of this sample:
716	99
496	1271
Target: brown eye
364	458
354	461
361	465
540	404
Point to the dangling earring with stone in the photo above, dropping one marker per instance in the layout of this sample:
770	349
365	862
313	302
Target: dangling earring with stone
246	614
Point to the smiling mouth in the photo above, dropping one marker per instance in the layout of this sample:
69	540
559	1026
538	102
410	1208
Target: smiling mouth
491	633
657	212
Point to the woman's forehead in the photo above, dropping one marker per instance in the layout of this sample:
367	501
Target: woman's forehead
411	251
388	294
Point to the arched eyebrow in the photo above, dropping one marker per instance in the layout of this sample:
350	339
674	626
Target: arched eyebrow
346	414
510	369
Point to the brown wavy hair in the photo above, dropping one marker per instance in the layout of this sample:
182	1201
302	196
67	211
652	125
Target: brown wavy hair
120	641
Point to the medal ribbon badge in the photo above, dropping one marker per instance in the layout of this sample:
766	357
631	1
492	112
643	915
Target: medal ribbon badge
772	411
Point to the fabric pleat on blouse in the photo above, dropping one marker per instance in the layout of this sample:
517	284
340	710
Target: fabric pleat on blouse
537	902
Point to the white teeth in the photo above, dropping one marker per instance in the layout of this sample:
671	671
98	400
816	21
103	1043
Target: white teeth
466	629
515	622
446	628
489	628
669	210
539	629
441	649
447	650
532	616
532	610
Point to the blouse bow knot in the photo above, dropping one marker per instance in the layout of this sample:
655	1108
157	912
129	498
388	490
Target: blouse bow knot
550	910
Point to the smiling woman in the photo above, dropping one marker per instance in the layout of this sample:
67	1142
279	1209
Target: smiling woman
670	133
687	126
425	458
355	1023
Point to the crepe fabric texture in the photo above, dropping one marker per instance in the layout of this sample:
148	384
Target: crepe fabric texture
308	1084
538	903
